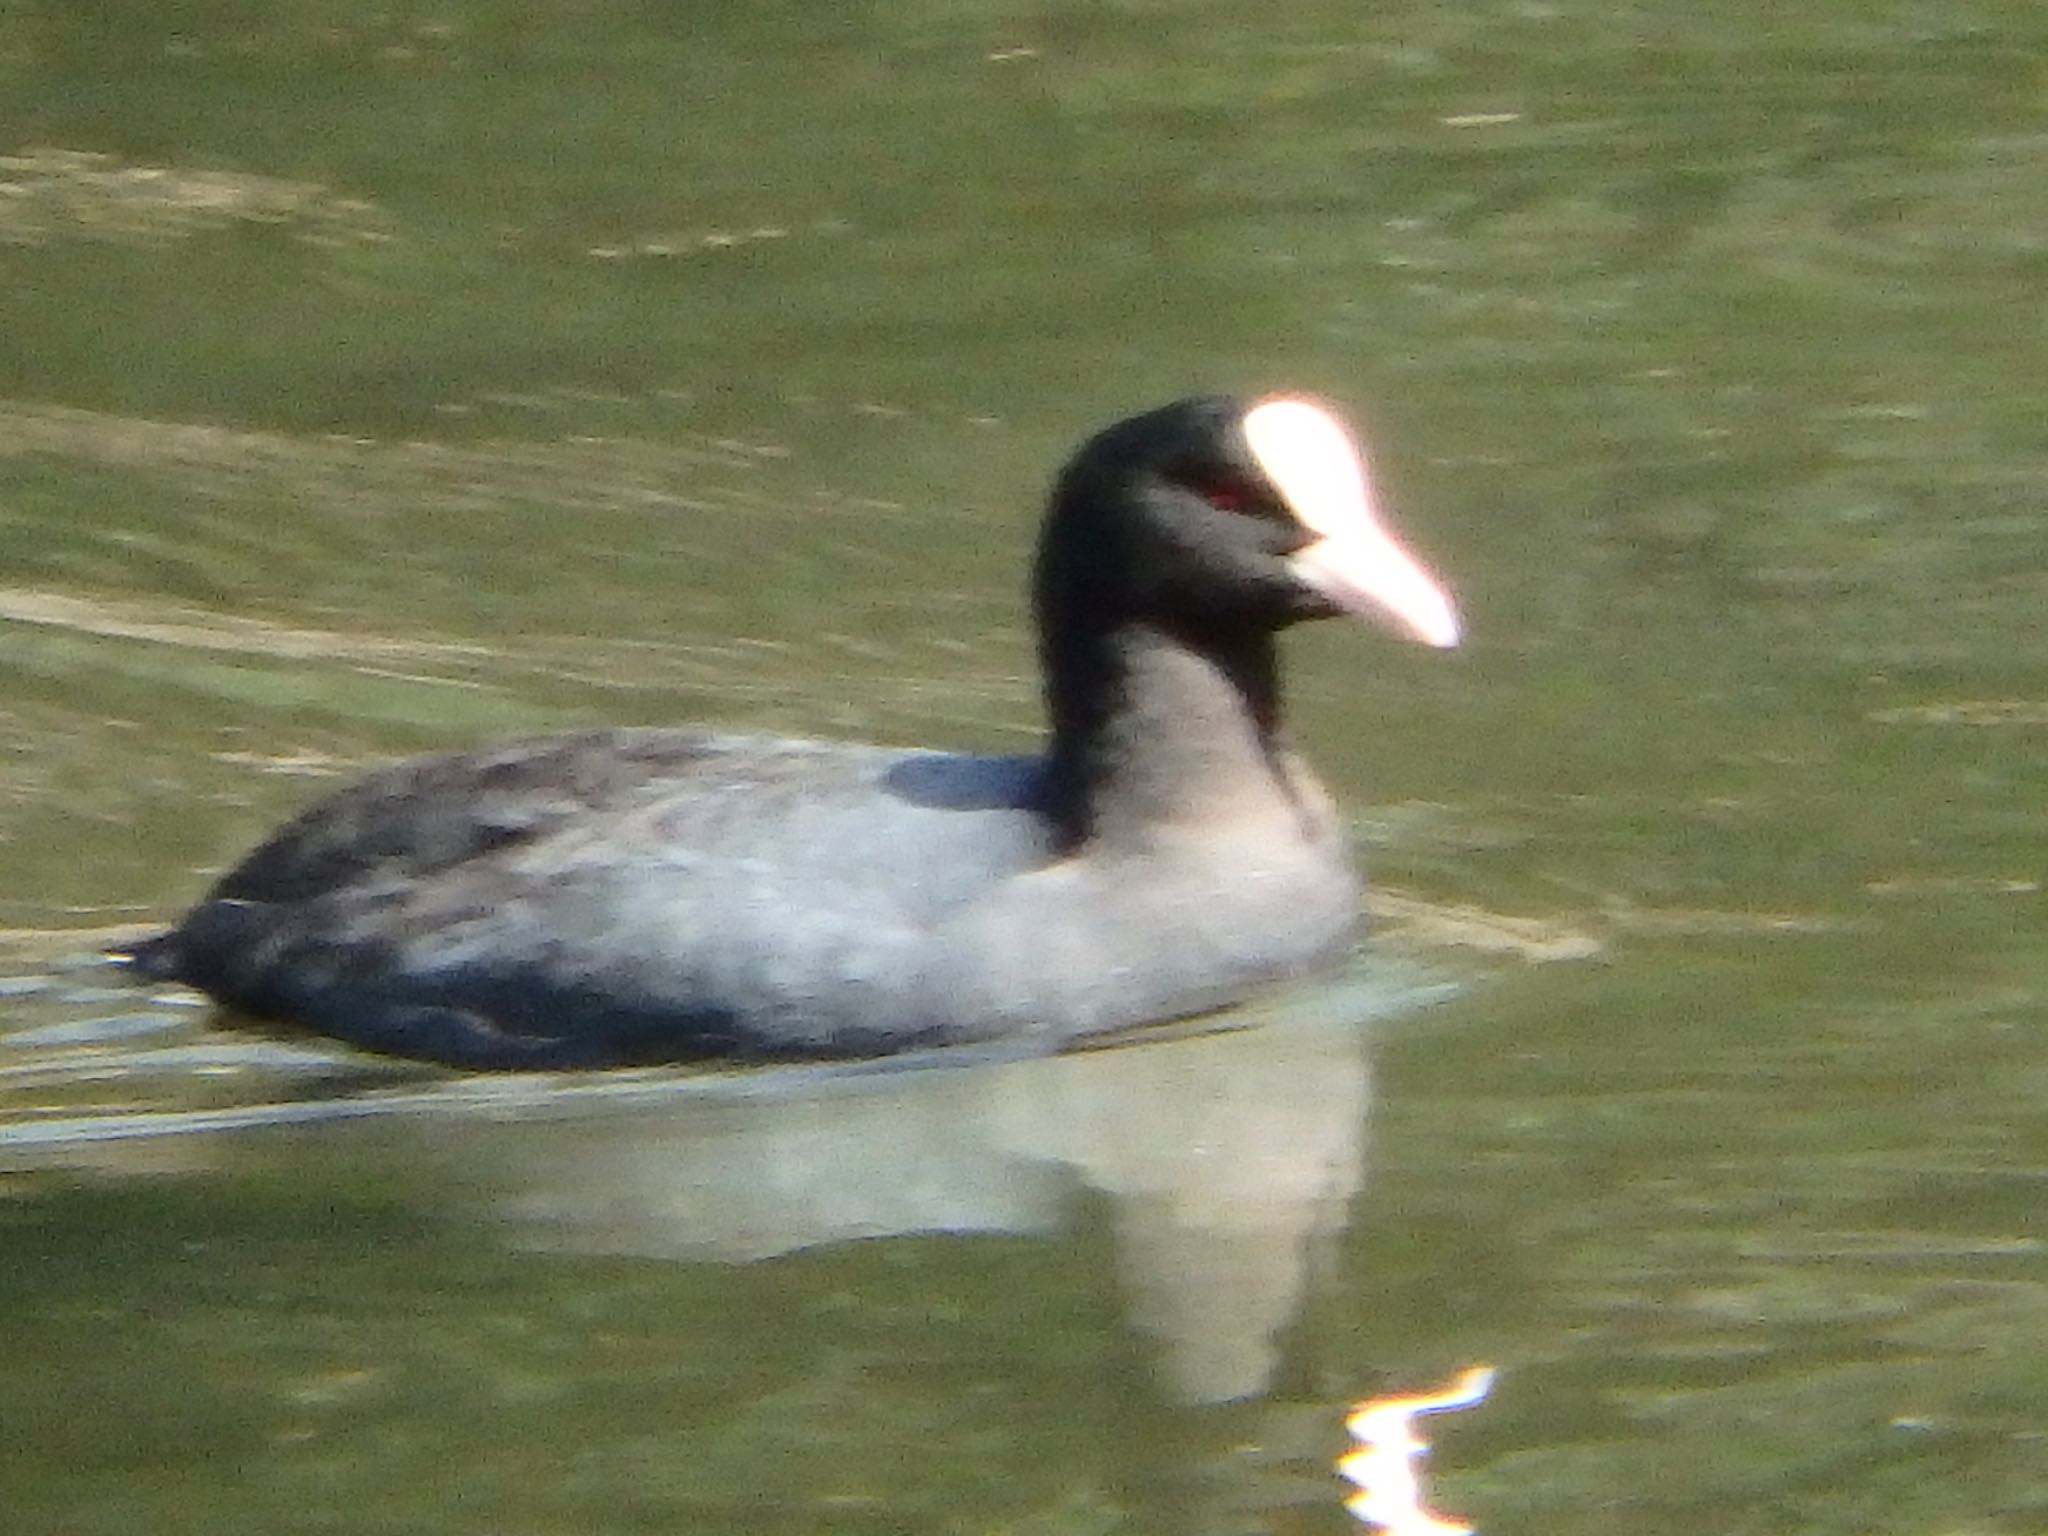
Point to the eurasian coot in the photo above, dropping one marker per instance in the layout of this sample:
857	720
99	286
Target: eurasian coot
633	896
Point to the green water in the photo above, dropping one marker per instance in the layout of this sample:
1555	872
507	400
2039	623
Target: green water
376	380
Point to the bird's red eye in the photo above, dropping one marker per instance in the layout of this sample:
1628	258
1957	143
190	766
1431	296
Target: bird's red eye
1225	496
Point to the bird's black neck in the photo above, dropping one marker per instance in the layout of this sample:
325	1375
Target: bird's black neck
1152	728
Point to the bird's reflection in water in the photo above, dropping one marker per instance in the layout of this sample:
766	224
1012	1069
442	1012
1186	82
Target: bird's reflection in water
1226	1159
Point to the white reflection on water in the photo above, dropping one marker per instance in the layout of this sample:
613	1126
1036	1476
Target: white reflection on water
1226	1159
1383	1468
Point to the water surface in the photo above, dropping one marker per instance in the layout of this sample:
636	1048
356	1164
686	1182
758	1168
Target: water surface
372	382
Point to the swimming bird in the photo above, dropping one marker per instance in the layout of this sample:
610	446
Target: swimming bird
645	895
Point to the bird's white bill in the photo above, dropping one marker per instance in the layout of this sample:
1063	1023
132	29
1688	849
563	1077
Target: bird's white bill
1354	562
1370	573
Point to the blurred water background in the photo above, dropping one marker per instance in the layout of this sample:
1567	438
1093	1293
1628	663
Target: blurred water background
376	379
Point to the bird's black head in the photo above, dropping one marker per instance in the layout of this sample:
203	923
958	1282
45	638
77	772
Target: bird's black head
1214	517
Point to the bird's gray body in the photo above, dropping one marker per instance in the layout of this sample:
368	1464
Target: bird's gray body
654	894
